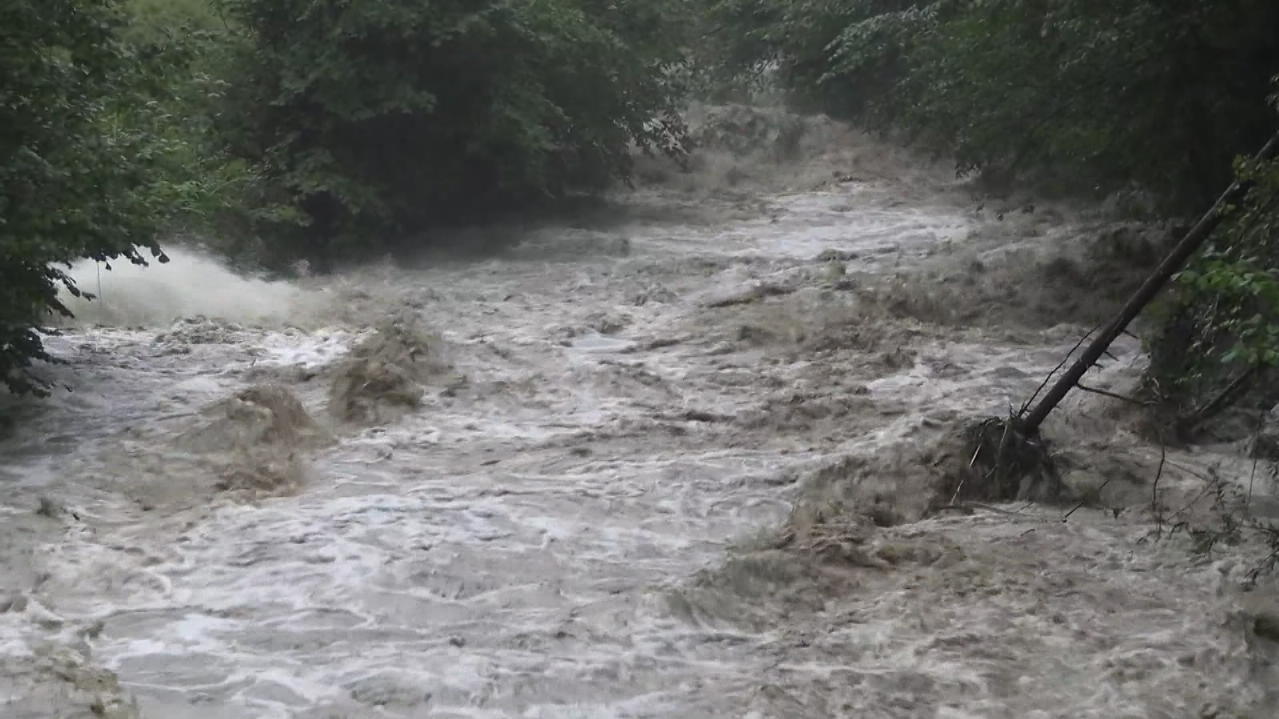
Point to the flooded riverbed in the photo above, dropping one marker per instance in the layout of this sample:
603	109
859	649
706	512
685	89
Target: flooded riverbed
574	514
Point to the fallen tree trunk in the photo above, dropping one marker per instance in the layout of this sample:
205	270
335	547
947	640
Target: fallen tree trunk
1176	259
1009	457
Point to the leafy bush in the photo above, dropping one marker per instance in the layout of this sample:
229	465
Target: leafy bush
303	126
1220	336
376	118
78	170
105	144
800	42
190	55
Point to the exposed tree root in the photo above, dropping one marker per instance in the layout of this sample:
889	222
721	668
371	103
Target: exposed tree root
1007	463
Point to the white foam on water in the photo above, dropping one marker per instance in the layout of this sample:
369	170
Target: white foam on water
189	285
558	535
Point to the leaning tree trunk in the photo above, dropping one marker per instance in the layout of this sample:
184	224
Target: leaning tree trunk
1171	264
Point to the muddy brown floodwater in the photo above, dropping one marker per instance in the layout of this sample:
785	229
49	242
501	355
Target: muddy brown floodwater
551	482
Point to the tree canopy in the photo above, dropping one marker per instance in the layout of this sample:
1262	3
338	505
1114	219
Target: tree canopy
78	171
383	117
1078	97
1081	94
303	127
330	128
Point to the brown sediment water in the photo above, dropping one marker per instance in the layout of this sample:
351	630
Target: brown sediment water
553	487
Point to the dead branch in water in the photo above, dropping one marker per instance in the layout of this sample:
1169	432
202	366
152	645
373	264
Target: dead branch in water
1154	491
1171	264
1113	395
1084	501
1010	459
970	507
1217	404
1035	395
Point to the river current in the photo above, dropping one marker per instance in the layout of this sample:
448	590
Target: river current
577	515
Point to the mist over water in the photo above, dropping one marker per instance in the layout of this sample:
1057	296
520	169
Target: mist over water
548	483
191	284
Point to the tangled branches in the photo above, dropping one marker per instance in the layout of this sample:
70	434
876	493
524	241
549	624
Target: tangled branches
1008	462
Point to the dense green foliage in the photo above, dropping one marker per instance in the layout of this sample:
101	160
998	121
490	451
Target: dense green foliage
326	128
1220	335
302	127
1080	96
80	174
378	118
1080	93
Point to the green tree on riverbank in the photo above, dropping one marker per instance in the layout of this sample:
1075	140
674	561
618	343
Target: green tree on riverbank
1077	97
1080	95
79	175
376	119
303	128
331	128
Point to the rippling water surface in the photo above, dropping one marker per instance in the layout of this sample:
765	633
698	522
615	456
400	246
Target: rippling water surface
558	530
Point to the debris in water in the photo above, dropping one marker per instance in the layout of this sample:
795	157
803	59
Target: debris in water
257	475
48	508
753	293
916	478
384	377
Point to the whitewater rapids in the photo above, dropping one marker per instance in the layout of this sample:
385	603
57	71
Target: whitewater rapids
577	519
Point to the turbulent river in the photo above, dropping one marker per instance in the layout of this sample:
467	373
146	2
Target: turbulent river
578	510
